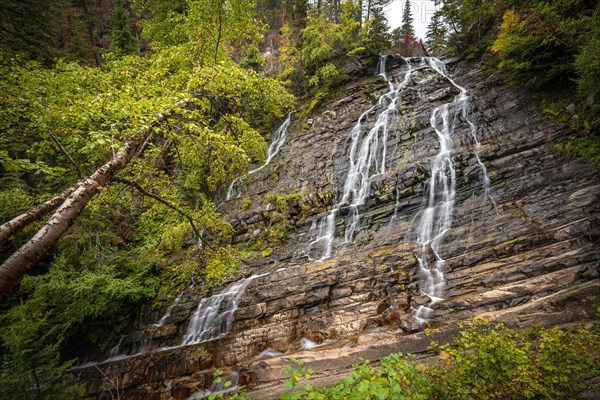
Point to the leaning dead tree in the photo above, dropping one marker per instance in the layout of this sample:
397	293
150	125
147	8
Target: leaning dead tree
68	206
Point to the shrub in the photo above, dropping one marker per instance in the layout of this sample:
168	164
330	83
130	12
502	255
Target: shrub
493	362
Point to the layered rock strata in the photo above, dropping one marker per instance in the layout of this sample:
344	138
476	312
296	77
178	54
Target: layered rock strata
524	250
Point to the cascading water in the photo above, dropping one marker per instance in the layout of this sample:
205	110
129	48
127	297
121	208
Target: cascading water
277	141
214	315
168	311
463	105
367	158
145	344
436	217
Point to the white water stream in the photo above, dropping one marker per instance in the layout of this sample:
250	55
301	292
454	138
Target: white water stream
220	387
367	159
214	315
168	311
277	140
436	217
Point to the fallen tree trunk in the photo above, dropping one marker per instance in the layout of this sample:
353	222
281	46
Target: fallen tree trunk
17	265
8	229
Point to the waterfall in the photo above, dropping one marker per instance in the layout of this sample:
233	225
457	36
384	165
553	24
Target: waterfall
214	315
277	140
168	311
115	352
463	106
367	158
436	217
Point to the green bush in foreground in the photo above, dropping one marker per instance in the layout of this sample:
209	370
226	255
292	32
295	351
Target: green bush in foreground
484	361
493	362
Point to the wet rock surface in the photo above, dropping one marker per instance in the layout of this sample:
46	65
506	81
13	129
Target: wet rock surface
526	251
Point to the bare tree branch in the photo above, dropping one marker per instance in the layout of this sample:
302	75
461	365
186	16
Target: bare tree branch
166	203
66	153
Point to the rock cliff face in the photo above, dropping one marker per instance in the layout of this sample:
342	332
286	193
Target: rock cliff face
523	248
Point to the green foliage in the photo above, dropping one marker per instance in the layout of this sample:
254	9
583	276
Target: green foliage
222	261
587	61
374	35
246	203
407	29
398	377
528	46
317	43
548	45
298	371
45	30
291	72
585	146
490	361
544	45
237	395
349	23
69	302
14	201
282	202
472	23
436	35
283	225
32	372
214	27
317	54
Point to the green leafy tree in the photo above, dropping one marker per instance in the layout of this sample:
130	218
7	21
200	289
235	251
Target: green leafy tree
491	361
350	26
27	30
484	361
317	43
541	44
290	65
212	27
519	48
587	61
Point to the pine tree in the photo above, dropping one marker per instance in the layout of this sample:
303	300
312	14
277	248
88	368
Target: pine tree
376	37
122	40
436	34
404	38
407	29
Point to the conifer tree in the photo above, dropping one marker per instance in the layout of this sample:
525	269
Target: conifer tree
407	29
436	34
122	40
404	39
377	28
